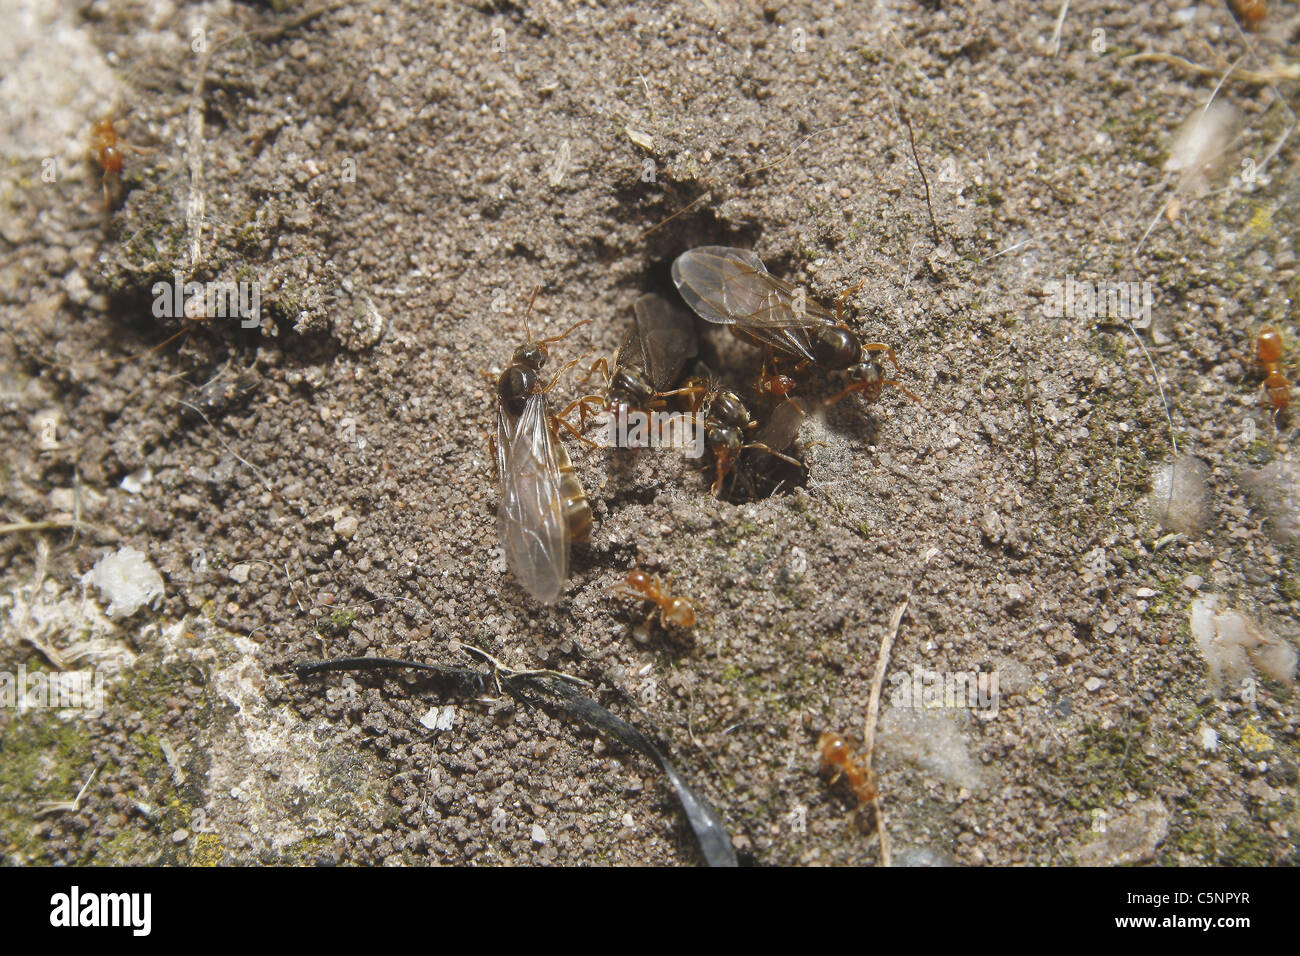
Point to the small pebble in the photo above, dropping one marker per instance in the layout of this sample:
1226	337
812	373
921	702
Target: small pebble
1209	738
1092	685
180	836
539	835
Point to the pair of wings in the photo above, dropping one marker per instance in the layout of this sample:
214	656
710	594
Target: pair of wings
534	532
732	287
661	342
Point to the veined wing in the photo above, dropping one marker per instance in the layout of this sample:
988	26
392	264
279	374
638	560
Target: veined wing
733	287
668	339
532	508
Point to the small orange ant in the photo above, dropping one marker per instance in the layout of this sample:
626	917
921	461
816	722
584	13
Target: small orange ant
107	150
643	586
838	758
1268	352
774	384
1249	13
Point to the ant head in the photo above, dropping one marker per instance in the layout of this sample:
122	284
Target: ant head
833	747
870	377
724	441
1268	347
638	580
530	355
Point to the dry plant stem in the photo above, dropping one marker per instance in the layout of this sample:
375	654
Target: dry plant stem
1275	74
873	715
1159	385
873	710
196	204
1054	47
69	806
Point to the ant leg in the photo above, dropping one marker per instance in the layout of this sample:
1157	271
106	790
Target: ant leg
882	347
842	298
695	391
723	471
572	429
601	364
552	383
855	387
897	385
772	451
583	405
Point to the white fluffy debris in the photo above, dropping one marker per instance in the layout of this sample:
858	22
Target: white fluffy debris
127	580
439	718
1275	489
1200	144
1126	836
1180	497
1233	644
134	483
932	742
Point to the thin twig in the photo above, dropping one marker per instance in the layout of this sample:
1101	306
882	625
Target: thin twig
902	112
873	709
257	471
1156	375
52	524
1029	413
195	204
1285	71
68	806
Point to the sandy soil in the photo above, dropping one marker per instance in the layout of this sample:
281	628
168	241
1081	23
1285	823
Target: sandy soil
397	178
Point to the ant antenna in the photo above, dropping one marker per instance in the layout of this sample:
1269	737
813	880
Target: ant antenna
528	336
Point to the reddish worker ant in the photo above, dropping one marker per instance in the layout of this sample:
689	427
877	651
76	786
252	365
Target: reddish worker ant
643	586
1268	352
838	758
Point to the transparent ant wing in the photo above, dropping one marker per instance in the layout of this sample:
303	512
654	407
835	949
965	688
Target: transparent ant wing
532	510
733	287
783	427
667	336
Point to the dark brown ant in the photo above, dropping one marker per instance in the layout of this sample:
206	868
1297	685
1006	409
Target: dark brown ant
1268	352
838	758
644	586
732	287
543	506
726	419
650	360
